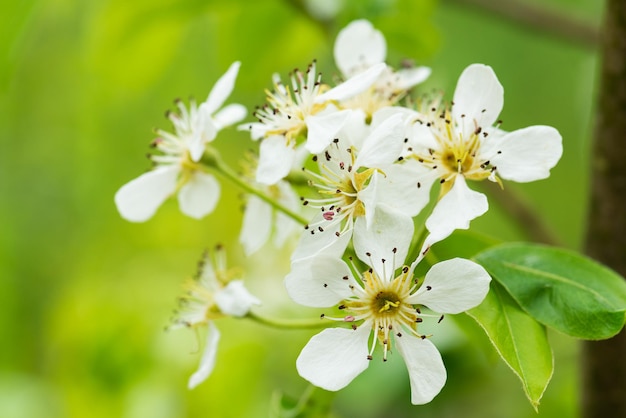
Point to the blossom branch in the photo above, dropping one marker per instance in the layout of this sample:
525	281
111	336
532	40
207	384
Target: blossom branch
288	323
534	226
533	17
220	167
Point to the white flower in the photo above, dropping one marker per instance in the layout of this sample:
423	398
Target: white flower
213	294
306	108
461	143
384	300
178	168
357	177
358	47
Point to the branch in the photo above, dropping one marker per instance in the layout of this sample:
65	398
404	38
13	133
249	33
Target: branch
525	215
604	362
538	18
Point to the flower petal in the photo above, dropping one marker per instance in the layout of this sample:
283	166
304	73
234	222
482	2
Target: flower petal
222	89
527	154
322	128
409	77
427	372
387	238
207	363
397	189
319	282
275	159
204	131
256	225
139	199
479	96
334	357
453	286
230	115
358	46
198	197
285	226
314	242
383	145
353	86
235	300
257	129
455	210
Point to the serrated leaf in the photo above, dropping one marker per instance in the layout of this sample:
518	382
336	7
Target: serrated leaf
518	338
559	288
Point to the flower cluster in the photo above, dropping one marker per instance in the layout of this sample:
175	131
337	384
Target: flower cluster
363	156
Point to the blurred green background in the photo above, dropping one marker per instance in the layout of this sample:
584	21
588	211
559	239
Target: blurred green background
84	295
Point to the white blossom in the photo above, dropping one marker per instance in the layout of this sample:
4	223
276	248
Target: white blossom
213	293
385	300
358	47
306	108
357	177
463	142
178	167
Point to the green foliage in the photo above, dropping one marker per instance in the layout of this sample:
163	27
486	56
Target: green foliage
537	286
559	288
519	339
313	403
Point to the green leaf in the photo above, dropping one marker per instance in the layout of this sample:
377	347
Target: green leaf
519	339
559	288
313	403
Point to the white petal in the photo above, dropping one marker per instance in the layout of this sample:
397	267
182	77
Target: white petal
353	86
275	159
427	372
256	225
139	199
455	210
321	242
359	46
398	190
319	281
422	139
455	285
222	89
479	96
204	131
230	115
383	145
527	154
198	197
285	226
235	300
334	357
257	130
323	128
207	363
389	230
409	77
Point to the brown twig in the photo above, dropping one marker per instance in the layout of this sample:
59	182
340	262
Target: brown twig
534	17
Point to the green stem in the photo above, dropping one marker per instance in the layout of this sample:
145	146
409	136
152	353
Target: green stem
216	163
289	323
